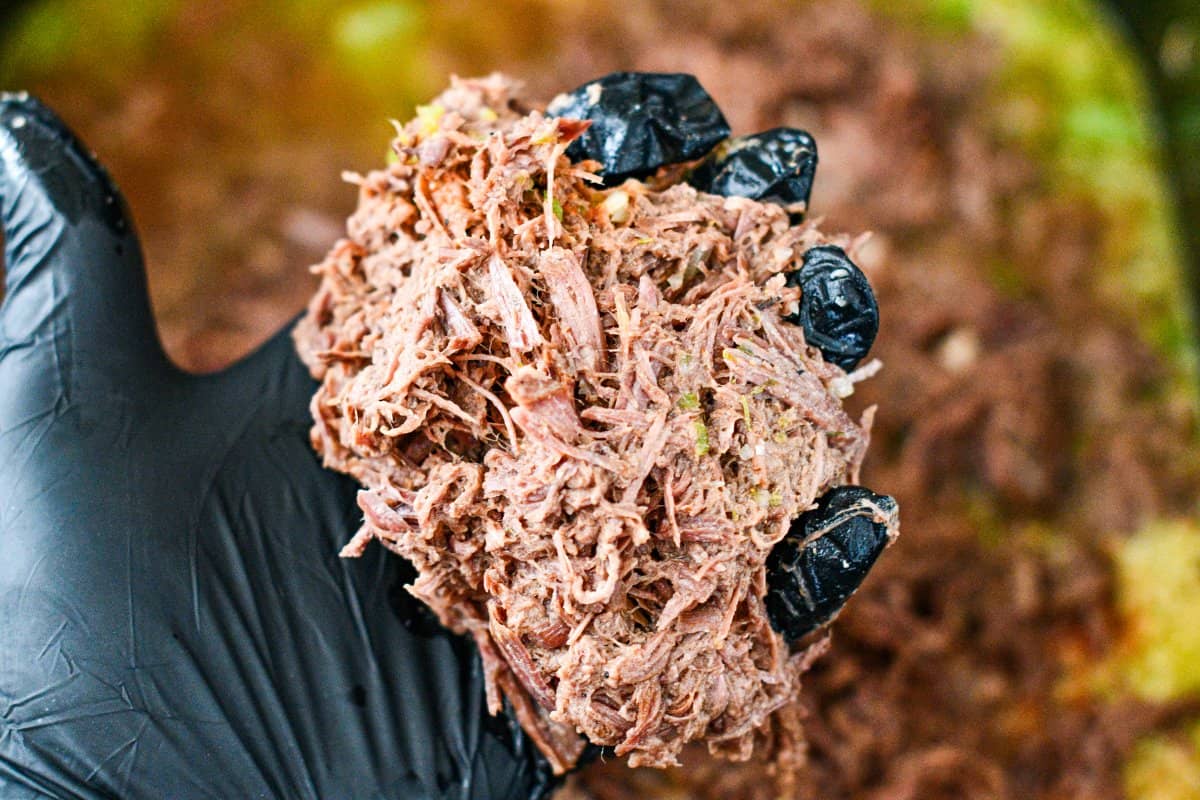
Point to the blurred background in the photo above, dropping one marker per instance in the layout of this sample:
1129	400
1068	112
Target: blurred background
1031	172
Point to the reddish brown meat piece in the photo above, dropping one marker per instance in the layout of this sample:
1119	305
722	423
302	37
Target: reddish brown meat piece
580	414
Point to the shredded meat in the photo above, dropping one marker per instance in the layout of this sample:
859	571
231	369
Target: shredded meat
585	432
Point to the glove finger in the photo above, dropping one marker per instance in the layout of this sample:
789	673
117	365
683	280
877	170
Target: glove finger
75	287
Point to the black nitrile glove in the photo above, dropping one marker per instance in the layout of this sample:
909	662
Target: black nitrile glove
174	619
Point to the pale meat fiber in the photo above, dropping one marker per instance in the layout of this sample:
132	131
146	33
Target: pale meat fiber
579	413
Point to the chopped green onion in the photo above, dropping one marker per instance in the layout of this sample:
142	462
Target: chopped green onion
701	437
429	118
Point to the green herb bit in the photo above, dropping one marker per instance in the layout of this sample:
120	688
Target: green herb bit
429	118
701	437
557	206
689	402
746	410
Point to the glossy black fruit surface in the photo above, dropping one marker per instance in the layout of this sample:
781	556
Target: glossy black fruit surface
825	557
777	166
837	308
641	121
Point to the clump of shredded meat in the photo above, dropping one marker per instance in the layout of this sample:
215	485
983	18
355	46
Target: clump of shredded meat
581	414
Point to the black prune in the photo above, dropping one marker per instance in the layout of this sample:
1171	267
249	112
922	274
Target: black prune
824	558
777	166
837	308
641	121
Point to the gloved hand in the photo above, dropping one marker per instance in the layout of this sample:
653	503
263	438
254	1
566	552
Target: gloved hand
174	619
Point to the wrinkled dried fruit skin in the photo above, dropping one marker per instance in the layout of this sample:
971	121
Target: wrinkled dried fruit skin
641	121
777	166
809	583
837	310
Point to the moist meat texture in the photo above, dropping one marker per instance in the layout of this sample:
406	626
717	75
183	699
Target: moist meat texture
582	416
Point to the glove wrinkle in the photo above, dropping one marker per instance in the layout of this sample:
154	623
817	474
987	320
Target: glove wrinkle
17	783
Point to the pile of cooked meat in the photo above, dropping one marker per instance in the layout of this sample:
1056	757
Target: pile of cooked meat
584	415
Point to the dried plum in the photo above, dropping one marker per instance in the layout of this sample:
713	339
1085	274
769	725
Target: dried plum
837	308
641	121
825	557
776	166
